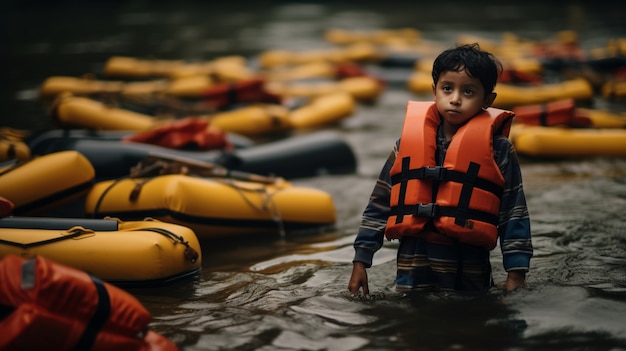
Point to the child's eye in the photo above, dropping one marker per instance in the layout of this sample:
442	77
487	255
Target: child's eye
468	92
446	88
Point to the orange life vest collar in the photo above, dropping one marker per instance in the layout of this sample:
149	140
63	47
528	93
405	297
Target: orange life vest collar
462	197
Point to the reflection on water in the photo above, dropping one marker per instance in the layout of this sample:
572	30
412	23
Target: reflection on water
291	293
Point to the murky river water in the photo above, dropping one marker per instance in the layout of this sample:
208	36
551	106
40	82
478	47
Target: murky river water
291	293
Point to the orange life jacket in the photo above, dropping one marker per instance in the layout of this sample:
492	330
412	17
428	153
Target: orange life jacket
553	113
50	306
460	198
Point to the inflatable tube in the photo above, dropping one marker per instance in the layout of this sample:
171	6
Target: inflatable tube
321	69
252	120
361	88
135	253
511	95
386	36
358	52
295	157
228	68
72	309
213	93
323	110
46	182
552	142
56	85
214	207
80	112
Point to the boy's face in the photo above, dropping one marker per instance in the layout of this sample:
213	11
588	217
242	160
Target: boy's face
459	97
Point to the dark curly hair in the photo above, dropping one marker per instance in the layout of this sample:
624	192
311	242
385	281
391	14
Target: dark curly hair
469	57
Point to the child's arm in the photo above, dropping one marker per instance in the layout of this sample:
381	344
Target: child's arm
514	226
370	235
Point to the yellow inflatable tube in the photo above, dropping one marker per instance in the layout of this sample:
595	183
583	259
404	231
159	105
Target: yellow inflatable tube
80	112
513	95
229	68
383	36
361	88
214	207
323	110
136	252
553	142
357	52
185	87
604	118
510	95
46	182
252	120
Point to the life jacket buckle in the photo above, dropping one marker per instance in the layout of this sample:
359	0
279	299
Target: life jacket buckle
437	172
427	210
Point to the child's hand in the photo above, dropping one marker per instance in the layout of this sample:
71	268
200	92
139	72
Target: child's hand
358	279
514	280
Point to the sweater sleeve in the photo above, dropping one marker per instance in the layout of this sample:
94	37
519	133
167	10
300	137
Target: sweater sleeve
514	220
371	232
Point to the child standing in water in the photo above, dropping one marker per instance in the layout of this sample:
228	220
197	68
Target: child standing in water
451	187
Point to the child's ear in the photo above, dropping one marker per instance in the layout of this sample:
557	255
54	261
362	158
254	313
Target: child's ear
489	99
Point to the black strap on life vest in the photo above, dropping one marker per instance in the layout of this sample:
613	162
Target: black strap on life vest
97	321
462	212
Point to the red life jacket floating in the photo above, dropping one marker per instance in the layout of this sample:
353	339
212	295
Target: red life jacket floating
190	131
55	307
561	112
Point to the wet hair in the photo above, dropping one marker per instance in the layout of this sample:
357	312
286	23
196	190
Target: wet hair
469	57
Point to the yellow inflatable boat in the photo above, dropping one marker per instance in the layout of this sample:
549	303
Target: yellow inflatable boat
46	182
134	253
215	207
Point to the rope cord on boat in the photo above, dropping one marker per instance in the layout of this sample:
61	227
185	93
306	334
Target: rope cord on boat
276	215
134	193
142	170
73	233
190	253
